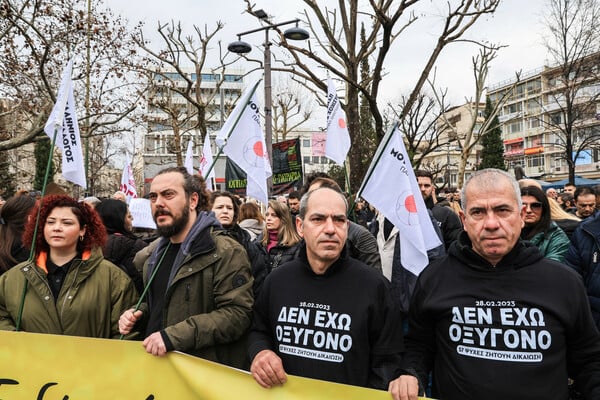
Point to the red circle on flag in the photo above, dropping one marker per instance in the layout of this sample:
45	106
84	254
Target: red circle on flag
409	204
341	123
258	149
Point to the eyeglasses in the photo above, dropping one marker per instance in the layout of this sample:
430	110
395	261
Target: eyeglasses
533	206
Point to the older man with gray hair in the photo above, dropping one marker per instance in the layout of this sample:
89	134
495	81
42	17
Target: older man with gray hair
551	193
494	319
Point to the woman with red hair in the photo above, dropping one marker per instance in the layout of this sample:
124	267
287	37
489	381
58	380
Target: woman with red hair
68	288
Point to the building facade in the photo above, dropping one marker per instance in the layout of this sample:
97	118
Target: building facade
220	93
457	126
173	121
312	147
534	115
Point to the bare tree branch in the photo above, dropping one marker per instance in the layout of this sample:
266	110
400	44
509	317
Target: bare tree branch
335	31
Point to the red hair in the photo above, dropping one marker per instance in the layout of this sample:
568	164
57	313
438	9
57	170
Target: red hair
95	233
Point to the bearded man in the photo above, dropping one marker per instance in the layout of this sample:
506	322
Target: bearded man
200	299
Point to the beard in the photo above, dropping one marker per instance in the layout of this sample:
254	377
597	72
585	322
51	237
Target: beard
177	225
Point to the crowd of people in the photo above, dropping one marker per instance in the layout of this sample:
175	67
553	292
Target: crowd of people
313	284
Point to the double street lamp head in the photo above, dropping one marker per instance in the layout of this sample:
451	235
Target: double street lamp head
295	33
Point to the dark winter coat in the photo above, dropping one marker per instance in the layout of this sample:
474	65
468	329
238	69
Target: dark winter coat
402	280
584	256
120	250
448	221
278	254
257	264
94	294
363	246
208	302
568	226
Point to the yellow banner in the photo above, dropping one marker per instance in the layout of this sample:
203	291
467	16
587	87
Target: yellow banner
53	367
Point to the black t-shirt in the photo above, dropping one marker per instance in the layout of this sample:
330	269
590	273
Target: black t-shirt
57	274
158	289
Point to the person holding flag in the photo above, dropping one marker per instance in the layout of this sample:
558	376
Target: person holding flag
67	287
198	278
63	130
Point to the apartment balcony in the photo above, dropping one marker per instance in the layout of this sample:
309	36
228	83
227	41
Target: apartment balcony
507	117
535	171
552	106
513	153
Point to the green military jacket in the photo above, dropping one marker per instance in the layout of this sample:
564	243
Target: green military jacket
208	302
93	296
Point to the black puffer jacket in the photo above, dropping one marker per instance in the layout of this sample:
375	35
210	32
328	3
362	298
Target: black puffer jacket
278	255
257	261
120	250
582	256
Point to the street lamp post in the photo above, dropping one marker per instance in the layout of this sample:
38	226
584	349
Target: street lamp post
241	47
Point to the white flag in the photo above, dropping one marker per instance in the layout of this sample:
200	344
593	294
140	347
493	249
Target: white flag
244	144
128	182
64	119
233	119
55	121
337	144
189	158
206	162
390	185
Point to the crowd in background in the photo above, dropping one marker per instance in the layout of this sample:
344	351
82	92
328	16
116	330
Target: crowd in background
89	249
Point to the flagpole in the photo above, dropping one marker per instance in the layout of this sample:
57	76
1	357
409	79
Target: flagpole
215	158
44	184
378	154
352	198
150	280
35	229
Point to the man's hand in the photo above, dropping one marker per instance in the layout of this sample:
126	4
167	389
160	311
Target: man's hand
405	387
127	321
155	345
267	369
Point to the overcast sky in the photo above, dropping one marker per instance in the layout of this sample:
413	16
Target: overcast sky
517	24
